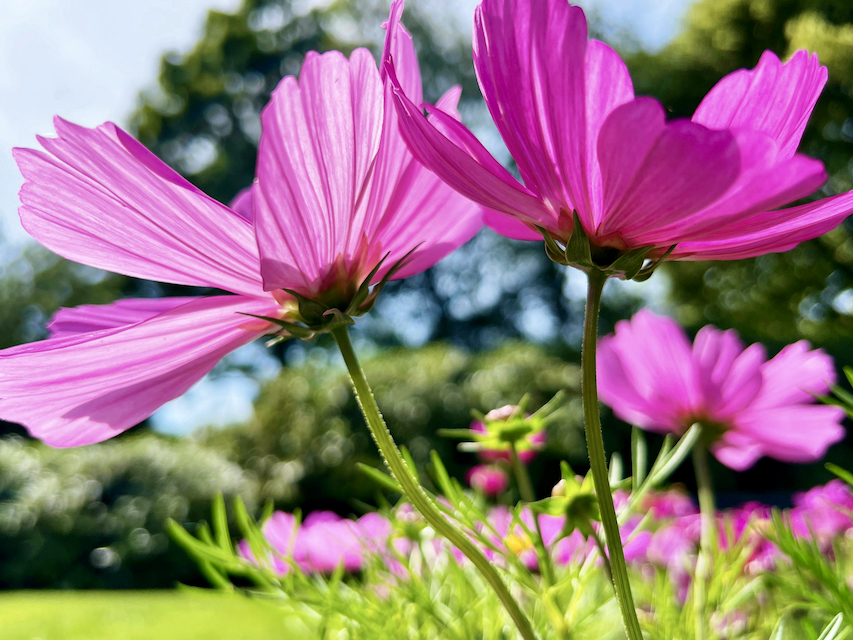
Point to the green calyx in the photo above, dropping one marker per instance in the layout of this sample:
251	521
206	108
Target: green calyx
334	308
580	253
573	499
502	434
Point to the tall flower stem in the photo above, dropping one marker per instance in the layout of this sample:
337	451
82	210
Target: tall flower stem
598	460
525	488
708	539
420	500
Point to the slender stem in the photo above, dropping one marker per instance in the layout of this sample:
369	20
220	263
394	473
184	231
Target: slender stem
708	540
525	488
420	500
598	460
522	478
602	551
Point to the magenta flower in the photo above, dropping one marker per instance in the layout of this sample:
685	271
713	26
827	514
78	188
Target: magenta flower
337	192
823	512
565	107
322	543
651	377
491	480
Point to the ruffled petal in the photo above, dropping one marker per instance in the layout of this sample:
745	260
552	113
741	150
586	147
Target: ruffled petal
737	450
729	374
89	387
95	317
100	198
320	138
770	231
795	375
794	433
530	63
766	182
774	98
655	173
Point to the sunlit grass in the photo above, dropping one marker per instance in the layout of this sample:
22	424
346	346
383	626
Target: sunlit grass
141	615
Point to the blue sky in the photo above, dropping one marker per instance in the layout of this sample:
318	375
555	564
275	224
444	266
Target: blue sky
88	60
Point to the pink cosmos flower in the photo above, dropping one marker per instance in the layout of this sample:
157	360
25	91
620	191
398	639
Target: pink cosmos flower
711	186
823	512
651	377
491	480
323	543
337	191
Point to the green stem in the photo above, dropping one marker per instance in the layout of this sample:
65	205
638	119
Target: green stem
525	488
602	551
598	460
420	500
708	540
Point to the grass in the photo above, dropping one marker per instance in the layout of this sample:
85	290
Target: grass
141	615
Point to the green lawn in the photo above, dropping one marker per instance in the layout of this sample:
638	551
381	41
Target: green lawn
141	615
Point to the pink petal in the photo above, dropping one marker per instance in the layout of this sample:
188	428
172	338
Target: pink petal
793	433
321	135
740	454
244	202
774	98
795	375
635	126
399	50
530	62
646	373
95	317
653	174
771	231
509	227
608	85
730	375
280	530
87	388
457	157
766	181
98	197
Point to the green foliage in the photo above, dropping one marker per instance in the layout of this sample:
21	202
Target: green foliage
128	615
308	434
433	596
95	517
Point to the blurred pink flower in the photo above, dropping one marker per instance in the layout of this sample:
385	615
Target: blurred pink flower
823	513
671	503
491	480
651	377
565	107
323	542
337	190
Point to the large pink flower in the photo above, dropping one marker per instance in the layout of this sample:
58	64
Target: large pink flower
337	191
651	376
565	107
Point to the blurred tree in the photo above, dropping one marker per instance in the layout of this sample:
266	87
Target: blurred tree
807	292
308	432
